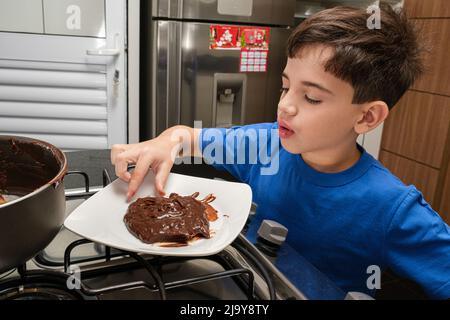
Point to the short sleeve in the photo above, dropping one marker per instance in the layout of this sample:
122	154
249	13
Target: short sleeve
239	149
418	245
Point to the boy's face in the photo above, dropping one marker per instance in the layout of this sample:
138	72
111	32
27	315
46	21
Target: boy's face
315	112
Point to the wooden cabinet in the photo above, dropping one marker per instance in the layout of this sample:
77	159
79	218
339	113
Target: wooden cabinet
435	34
427	8
416	140
445	201
411	172
417	128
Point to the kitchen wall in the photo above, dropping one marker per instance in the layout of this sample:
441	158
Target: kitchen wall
416	139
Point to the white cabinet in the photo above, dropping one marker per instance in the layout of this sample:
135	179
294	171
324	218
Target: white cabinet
21	16
60	17
75	17
68	90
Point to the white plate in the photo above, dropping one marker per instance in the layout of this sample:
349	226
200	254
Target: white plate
100	218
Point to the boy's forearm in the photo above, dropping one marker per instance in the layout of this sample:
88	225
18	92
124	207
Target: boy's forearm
185	138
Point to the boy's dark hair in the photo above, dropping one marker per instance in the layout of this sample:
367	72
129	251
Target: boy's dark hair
380	64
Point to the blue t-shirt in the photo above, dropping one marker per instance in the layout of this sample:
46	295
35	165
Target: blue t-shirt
344	222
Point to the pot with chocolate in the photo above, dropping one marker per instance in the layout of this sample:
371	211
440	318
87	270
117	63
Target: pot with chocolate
32	200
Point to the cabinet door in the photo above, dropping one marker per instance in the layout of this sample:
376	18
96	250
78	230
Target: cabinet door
445	201
427	9
21	16
417	127
75	17
52	88
435	33
411	172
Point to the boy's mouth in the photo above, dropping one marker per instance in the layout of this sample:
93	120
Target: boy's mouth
284	130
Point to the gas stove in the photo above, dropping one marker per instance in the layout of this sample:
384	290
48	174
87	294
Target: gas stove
72	267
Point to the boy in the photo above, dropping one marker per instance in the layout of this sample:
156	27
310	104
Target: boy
344	210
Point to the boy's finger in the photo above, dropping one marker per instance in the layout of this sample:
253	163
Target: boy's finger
117	149
122	160
137	176
121	169
161	177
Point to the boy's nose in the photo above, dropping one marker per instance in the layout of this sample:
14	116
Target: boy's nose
288	110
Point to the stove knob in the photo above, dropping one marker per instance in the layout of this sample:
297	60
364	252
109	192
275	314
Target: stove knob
271	235
273	232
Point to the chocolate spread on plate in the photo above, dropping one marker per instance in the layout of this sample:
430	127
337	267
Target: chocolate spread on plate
176	219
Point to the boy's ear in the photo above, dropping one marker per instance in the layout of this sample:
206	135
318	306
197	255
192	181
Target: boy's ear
371	115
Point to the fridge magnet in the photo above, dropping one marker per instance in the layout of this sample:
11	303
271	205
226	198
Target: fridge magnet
254	38
253	60
223	37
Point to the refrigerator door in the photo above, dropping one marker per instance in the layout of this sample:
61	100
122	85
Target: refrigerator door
193	82
273	12
166	74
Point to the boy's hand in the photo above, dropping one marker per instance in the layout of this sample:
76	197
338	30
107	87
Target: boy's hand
157	154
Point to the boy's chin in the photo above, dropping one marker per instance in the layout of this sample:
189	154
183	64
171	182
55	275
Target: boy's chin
291	146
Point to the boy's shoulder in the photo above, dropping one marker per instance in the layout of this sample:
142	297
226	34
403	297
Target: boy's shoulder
390	189
381	179
379	173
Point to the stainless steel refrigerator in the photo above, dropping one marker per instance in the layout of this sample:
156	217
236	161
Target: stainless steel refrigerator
183	80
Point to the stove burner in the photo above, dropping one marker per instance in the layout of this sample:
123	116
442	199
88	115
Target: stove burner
7	273
39	285
238	272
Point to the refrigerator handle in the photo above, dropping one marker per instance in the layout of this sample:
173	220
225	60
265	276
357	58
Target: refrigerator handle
229	97
166	75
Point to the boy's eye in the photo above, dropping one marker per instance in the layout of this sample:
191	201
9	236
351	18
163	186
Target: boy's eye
312	101
284	90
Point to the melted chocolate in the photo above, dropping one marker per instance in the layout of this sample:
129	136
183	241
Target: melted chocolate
26	166
174	219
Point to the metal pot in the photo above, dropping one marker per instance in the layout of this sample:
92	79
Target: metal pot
31	180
